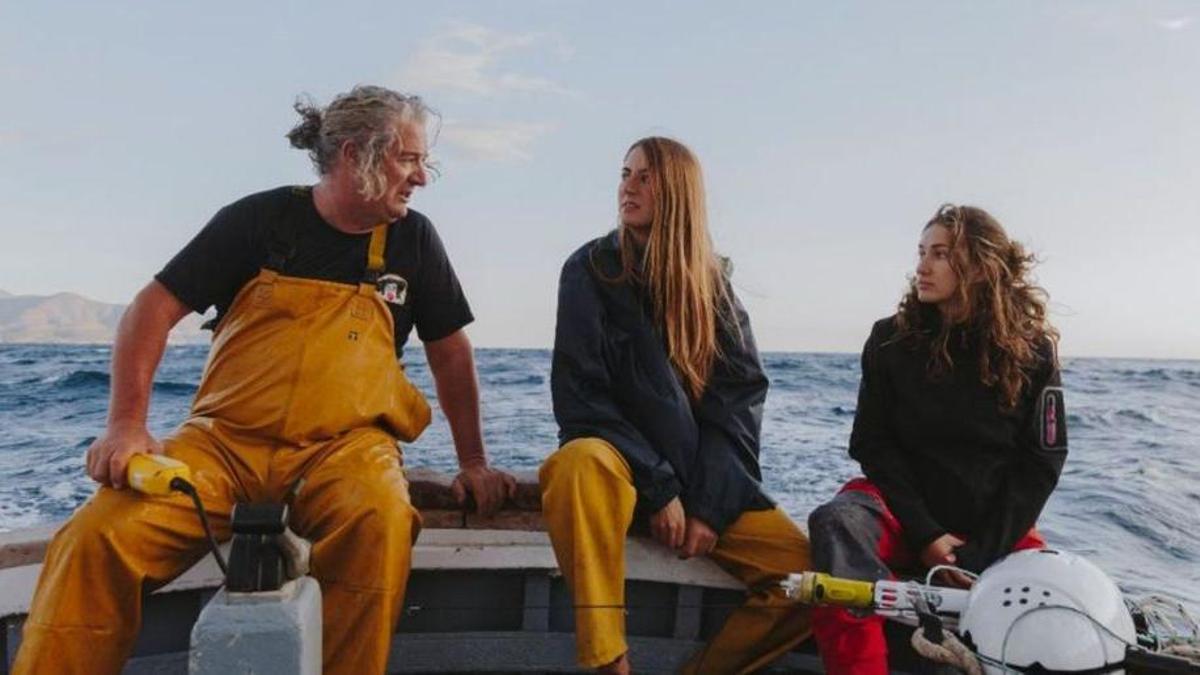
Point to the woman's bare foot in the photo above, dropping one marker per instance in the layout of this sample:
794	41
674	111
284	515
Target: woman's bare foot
620	666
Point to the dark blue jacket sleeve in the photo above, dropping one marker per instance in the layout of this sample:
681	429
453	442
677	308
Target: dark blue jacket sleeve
582	388
873	445
1031	474
726	479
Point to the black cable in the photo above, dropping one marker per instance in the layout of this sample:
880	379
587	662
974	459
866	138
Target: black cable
181	485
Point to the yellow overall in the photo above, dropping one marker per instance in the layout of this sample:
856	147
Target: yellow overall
302	388
588	502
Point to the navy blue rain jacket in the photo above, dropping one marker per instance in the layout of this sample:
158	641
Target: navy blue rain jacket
611	379
946	454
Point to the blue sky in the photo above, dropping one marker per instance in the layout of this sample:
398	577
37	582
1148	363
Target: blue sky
829	133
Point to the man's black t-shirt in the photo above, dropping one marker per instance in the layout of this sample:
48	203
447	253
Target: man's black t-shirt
235	245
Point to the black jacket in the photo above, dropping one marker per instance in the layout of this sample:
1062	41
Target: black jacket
611	379
945	454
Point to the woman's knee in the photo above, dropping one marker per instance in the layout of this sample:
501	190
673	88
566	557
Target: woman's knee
845	536
581	457
831	521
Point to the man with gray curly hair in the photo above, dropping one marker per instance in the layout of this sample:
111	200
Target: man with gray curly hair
317	289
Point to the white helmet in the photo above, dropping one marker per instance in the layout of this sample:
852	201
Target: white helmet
1048	607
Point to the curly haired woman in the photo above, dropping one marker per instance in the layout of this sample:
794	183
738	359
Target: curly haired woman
960	428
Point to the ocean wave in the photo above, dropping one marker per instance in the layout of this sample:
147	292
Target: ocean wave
785	364
175	388
1158	374
1135	415
1150	373
514	381
1156	530
82	380
809	382
1137	421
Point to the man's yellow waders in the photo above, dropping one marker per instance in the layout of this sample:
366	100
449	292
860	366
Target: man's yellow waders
302	387
588	500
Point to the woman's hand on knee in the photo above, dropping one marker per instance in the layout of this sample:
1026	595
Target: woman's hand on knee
698	538
668	526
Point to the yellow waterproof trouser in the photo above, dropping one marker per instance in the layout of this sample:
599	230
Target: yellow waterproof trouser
353	505
588	503
302	387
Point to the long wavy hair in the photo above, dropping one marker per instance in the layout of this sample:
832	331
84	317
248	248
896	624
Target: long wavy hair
996	305
679	267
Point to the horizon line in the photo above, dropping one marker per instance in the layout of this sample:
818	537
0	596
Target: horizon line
526	348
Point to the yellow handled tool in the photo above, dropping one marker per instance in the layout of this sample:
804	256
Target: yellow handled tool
902	601
818	588
152	474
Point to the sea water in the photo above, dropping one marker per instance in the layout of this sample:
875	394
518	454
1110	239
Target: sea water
1129	498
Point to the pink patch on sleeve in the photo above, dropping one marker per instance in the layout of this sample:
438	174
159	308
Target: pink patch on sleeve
1050	421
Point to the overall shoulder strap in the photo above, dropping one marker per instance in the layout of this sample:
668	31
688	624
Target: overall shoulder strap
375	250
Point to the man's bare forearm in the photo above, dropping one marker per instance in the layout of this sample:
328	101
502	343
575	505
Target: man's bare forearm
140	341
452	362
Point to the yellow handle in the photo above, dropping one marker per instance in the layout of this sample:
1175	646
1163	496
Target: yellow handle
152	474
818	588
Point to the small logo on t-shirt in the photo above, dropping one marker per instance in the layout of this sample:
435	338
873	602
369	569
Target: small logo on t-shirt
392	288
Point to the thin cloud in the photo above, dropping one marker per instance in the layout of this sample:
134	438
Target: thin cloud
493	142
10	71
1176	24
468	57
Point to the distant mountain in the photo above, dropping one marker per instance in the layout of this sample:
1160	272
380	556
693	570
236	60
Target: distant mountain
71	318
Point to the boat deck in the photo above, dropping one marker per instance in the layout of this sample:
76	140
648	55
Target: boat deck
485	596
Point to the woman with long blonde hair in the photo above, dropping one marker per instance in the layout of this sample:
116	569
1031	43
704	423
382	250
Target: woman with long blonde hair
658	392
960	429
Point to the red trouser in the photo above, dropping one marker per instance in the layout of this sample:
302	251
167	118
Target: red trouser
859	522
